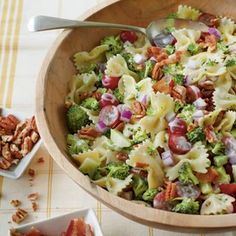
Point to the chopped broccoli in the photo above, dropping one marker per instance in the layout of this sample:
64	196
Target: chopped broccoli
224	178
114	43
186	174
230	62
233	132
148	68
118	95
76	118
196	135
87	68
206	188
218	149
170	49
102	90
193	48
100	172
187	113
129	58
140	185
150	111
139	136
91	104
223	47
220	160
178	79
173	69
187	206
150	194
151	150
76	145
178	106
118	170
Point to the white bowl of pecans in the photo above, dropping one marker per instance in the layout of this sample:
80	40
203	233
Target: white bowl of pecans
19	141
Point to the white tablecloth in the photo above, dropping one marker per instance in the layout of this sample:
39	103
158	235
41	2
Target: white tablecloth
21	56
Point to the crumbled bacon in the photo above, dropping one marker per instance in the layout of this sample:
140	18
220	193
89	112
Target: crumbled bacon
89	133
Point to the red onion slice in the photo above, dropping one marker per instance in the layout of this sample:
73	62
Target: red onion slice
170	116
101	127
198	114
215	32
200	104
167	158
125	113
139	58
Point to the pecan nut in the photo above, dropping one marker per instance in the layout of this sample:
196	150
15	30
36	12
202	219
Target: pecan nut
121	156
15	203
157	72
6	152
138	109
33	196
179	92
19	215
89	133
34	136
26	146
4	164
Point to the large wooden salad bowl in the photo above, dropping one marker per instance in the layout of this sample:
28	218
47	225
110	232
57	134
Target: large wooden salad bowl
51	89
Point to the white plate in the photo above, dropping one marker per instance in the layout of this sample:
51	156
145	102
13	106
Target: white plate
15	171
56	225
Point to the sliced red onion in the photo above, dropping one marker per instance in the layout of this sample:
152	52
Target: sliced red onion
139	58
198	114
102	67
125	113
108	99
101	127
230	150
215	32
200	104
167	158
170	116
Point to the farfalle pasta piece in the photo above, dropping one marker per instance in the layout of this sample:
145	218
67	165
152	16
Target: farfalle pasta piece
81	157
160	140
197	157
161	104
152	163
227	122
117	66
231	68
115	186
92	115
185	37
140	46
217	204
227	28
204	64
127	86
187	12
209	119
144	89
83	60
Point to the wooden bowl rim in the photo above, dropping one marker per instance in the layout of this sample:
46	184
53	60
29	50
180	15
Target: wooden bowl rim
144	215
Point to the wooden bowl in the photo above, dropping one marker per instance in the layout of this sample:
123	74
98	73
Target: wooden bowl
52	86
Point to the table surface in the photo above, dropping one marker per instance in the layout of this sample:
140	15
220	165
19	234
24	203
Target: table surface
21	55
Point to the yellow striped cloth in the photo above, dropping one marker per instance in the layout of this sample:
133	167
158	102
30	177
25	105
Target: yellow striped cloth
21	55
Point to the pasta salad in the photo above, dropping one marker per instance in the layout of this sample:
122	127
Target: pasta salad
157	125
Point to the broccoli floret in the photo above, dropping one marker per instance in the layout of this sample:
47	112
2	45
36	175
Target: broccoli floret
139	136
118	170
129	58
76	118
87	68
100	172
140	185
224	178
223	47
178	106
196	135
76	145
148	68
206	188
187	206
187	113
102	90
186	174
193	48
91	104
118	95
114	43
218	149
150	194
173	69
178	79
220	160
230	62
170	49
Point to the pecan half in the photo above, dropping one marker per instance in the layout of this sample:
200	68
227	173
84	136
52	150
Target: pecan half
210	134
34	206
34	136
89	133
179	92
138	109
4	164
162	86
157	72
26	146
121	156
33	196
6	152
158	53
15	203
19	215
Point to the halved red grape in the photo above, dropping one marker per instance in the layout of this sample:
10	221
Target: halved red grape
178	144
209	19
109	115
187	190
178	126
110	82
159	201
192	93
128	36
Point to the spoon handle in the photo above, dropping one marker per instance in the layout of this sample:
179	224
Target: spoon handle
41	23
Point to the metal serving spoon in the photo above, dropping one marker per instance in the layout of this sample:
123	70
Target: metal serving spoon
154	32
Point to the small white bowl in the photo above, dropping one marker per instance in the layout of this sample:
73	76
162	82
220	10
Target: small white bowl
15	171
56	225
